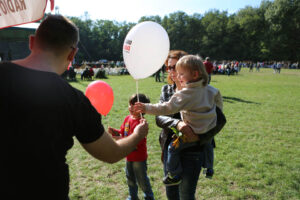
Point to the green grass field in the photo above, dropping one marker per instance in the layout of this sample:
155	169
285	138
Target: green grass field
257	154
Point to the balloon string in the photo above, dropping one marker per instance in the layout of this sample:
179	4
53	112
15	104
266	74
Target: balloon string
137	94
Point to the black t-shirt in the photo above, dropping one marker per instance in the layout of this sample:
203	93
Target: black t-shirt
40	114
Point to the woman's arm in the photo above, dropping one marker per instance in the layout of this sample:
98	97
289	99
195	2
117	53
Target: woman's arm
163	121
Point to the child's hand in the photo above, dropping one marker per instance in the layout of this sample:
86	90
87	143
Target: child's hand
110	130
139	107
113	131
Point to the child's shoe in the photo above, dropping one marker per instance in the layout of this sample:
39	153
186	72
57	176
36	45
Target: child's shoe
171	180
209	173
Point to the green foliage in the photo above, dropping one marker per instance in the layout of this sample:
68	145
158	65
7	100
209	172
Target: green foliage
214	40
268	32
257	154
284	19
155	18
175	25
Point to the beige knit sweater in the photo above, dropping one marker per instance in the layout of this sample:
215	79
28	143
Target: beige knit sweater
197	106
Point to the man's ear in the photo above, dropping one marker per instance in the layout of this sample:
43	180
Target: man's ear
31	42
72	54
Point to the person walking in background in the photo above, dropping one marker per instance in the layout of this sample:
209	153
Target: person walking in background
209	68
257	66
274	66
278	67
251	67
136	161
209	147
41	113
163	71
157	76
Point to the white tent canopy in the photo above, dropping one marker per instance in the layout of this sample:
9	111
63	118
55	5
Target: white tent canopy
28	26
17	12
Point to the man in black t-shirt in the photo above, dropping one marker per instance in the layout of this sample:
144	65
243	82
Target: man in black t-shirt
41	113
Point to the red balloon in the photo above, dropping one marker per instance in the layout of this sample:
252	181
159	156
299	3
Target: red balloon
101	96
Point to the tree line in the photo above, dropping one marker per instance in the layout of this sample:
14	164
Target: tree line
270	32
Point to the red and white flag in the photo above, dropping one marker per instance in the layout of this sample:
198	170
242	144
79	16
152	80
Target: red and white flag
17	12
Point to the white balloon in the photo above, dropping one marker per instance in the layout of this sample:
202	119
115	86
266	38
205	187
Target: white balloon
145	49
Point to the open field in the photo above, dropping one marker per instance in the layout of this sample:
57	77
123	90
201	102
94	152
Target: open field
257	154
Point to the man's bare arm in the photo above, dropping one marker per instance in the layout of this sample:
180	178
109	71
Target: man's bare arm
108	150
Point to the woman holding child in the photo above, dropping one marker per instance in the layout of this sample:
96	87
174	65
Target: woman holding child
199	105
193	156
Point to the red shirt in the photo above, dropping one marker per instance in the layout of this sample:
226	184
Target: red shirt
140	153
208	66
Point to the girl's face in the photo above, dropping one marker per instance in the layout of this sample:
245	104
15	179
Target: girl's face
185	76
171	68
132	112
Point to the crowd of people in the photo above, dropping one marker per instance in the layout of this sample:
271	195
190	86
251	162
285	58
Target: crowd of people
91	71
88	72
277	67
234	67
41	130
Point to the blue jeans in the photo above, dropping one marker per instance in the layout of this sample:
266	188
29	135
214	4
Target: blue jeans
208	155
136	173
191	165
173	161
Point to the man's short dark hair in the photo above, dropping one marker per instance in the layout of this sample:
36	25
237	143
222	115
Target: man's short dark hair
142	98
57	33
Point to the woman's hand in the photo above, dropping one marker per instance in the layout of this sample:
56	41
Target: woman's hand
187	131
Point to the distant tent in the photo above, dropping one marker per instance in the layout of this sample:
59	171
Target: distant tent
14	41
20	32
14	28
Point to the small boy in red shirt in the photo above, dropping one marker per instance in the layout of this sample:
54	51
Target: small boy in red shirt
136	161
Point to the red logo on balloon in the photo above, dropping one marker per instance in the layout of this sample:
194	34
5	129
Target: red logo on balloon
127	46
